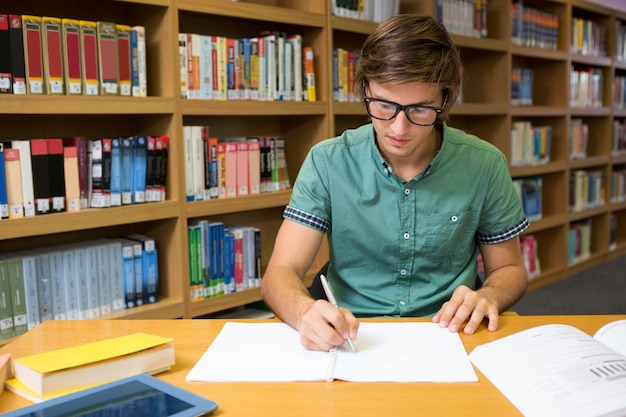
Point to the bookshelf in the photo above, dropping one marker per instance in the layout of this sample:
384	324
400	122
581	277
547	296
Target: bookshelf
485	111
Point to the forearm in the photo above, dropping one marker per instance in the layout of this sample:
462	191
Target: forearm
286	295
505	286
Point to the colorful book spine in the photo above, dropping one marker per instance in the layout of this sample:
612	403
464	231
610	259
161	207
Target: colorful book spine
28	193
139	69
4	202
107	58
6	75
52	55
128	149
72	183
116	172
71	54
18	63
13	175
124	59
33	54
89	58
139	169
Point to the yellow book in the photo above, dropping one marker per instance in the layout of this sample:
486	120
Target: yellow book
5	369
94	363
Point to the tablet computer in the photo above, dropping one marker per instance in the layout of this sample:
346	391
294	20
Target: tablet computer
139	395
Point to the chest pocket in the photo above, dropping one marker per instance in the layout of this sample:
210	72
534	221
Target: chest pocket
449	235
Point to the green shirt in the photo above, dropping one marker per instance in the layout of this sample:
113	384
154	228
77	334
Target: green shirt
400	248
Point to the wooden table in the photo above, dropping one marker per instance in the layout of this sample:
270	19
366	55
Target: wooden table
338	398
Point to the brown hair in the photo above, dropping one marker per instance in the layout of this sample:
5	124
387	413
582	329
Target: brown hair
411	48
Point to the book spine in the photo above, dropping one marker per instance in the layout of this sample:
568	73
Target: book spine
103	267
139	68
4	201
28	193
13	174
128	150
107	58
41	175
128	274
6	309
116	172
18	298
124	59
52	55
93	285
117	275
97	183
6	74
18	63
71	53
57	278
31	298
89	58
33	54
44	286
56	174
139	169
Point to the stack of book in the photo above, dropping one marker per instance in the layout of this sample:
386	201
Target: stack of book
52	55
58	372
41	176
76	281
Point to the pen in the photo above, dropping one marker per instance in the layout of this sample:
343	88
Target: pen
331	298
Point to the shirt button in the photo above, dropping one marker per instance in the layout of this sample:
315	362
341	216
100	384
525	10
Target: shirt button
407	191
406	236
454	218
402	303
403	272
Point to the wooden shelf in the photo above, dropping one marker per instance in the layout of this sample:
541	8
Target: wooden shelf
486	111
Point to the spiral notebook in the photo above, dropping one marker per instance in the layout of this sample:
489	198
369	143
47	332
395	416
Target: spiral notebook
385	352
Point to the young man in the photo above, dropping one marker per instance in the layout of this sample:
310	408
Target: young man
407	203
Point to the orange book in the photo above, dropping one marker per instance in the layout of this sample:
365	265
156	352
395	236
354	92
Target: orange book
72	184
309	73
13	173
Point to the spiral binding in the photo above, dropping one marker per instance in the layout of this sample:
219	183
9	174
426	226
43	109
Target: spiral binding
332	363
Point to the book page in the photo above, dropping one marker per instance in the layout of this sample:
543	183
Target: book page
394	352
613	335
405	352
555	370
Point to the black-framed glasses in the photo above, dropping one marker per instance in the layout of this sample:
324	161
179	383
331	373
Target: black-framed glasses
417	114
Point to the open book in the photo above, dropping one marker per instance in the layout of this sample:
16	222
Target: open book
558	370
385	352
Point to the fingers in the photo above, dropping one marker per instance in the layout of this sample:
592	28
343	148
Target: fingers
467	307
324	326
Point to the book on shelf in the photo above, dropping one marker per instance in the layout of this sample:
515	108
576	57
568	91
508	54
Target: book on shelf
41	175
530	256
28	193
4	200
33	54
140	160
56	372
139	70
72	183
96	164
107	58
116	172
182	64
7	330
71	56
386	352
90	71
150	267
51	32
13	176
124	59
309	74
18	63
57	174
6	74
127	157
558	369
11	266
84	174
